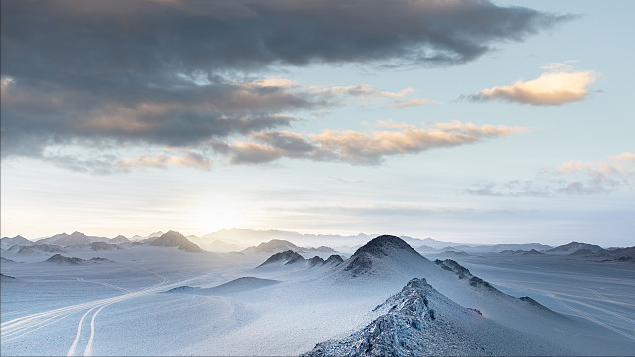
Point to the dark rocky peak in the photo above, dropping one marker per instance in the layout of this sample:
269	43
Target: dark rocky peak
316	261
334	259
529	300
297	258
285	256
535	304
182	289
463	273
6	278
99	260
359	264
477	282
61	259
451	265
383	246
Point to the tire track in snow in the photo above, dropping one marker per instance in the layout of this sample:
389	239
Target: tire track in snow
25	325
89	346
592	319
71	351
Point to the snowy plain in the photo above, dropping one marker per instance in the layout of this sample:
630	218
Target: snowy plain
123	307
600	292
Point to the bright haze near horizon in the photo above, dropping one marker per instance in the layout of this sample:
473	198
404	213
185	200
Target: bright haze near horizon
475	122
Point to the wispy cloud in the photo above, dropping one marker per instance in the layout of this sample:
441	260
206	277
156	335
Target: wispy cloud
162	160
560	85
107	163
360	92
362	148
513	188
411	103
572	177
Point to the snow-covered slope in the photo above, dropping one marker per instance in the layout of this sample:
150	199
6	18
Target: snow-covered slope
310	304
242	284
419	321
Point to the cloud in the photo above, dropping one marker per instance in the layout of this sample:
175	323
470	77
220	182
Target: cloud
357	93
513	188
160	36
97	163
572	177
624	157
559	86
177	74
394	210
188	159
411	103
34	116
613	174
362	148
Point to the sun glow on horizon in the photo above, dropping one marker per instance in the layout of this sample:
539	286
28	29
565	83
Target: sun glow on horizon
216	212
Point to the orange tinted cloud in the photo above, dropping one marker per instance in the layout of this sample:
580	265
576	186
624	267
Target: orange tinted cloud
556	87
411	103
365	148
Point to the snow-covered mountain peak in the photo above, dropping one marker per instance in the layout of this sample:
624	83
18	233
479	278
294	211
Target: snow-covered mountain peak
384	246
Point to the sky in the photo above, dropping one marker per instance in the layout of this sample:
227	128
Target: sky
464	121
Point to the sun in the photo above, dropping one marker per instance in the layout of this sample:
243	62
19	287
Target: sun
213	214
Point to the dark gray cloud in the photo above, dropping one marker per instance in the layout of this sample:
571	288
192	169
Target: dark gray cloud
36	116
177	73
97	37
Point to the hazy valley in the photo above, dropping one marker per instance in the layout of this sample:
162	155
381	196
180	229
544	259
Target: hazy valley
283	293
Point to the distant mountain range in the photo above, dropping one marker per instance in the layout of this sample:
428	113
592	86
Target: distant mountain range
270	241
60	243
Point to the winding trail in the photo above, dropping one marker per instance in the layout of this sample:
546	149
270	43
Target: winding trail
25	325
